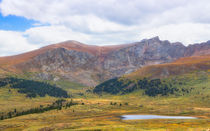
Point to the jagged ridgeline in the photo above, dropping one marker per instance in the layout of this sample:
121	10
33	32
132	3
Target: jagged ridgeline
90	64
32	88
152	87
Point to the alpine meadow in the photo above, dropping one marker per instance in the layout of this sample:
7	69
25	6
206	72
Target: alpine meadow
62	69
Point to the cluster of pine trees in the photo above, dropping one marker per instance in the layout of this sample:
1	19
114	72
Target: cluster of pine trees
156	87
151	87
58	104
33	88
112	86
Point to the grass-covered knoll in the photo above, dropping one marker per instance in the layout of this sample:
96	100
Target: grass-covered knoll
74	89
172	86
32	88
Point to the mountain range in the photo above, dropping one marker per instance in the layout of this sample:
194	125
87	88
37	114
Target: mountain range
91	64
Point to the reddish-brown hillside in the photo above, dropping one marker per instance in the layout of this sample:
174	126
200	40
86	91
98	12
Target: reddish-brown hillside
91	64
178	67
69	45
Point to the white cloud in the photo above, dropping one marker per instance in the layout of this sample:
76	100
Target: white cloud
118	11
13	43
94	24
45	35
187	33
104	22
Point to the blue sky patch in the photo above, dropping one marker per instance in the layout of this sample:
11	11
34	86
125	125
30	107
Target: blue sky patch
15	23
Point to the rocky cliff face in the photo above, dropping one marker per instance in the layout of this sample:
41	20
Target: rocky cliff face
147	52
90	65
198	49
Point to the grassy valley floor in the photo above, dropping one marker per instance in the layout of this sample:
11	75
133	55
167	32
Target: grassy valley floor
98	114
101	112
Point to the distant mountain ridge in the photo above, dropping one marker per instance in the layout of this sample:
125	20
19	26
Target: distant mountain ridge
90	64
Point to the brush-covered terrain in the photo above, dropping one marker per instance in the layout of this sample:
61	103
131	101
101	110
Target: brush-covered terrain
73	86
101	112
179	93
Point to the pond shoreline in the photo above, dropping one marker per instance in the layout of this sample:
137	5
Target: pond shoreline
149	117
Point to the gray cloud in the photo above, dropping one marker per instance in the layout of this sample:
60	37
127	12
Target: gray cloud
120	11
112	21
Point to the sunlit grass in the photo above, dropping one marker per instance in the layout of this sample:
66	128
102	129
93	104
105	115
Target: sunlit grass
98	114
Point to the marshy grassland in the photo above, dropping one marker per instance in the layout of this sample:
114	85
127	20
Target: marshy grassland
102	112
99	114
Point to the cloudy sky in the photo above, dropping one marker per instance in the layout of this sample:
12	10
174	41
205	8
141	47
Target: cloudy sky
29	24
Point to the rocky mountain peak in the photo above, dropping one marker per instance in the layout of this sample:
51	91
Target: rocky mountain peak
156	38
91	64
178	44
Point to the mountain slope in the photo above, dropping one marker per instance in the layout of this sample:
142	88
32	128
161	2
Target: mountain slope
69	45
179	67
90	64
185	76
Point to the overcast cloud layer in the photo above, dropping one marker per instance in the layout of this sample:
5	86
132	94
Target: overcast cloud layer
104	22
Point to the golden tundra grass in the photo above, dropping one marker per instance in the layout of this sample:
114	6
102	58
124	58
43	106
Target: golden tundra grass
98	114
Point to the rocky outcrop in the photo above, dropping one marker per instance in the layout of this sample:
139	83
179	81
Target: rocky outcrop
147	52
91	65
198	49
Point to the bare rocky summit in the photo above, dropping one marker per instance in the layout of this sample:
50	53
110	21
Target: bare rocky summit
90	65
